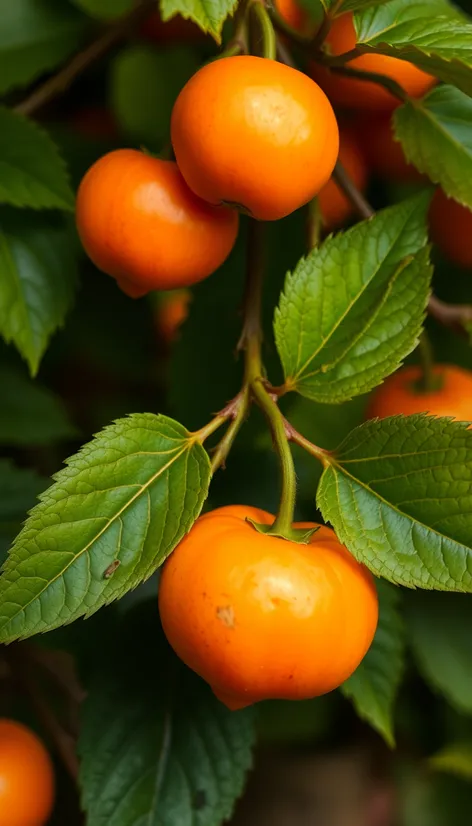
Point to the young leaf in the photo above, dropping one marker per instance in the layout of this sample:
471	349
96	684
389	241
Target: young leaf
35	36
30	414
105	8
156	746
38	276
399	495
435	136
455	758
353	309
433	35
32	172
208	14
438	627
110	519
373	686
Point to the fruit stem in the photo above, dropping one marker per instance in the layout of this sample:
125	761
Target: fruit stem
225	444
354	195
428	380
314	224
265	29
388	83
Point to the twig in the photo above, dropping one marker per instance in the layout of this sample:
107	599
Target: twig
388	83
345	182
60	82
63	742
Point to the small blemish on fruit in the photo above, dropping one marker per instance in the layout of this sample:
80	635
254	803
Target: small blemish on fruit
226	615
111	569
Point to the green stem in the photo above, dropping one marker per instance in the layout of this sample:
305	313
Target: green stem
283	522
372	77
428	381
314	224
226	443
265	29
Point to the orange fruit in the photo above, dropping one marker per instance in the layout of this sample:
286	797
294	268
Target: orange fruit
260	617
295	16
26	777
171	314
335	206
451	228
254	133
399	394
384	154
140	223
361	94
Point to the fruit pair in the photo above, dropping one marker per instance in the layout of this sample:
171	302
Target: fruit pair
248	133
262	617
26	777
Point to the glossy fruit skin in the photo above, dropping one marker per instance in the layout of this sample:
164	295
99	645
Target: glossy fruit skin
139	222
255	133
398	394
26	777
334	204
360	94
451	228
260	617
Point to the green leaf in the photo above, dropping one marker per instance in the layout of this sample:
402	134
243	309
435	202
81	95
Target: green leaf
144	84
374	685
438	627
112	516
156	746
19	488
105	9
435	137
30	414
35	36
399	495
455	758
433	35
353	309
208	14
38	276
32	172
349	5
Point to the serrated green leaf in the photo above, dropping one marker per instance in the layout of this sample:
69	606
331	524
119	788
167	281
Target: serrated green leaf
38	277
438	627
105	9
435	137
144	84
156	746
19	488
342	6
433	35
209	15
112	516
32	172
30	414
35	36
353	309
399	495
374	685
455	758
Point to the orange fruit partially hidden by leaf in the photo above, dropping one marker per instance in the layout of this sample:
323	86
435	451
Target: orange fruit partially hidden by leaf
26	777
254	133
335	206
260	617
451	228
295	16
140	223
360	94
400	394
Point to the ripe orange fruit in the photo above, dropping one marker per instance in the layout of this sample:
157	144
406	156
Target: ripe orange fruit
451	228
140	223
384	155
26	777
360	94
399	394
171	313
335	206
295	16
254	133
260	617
